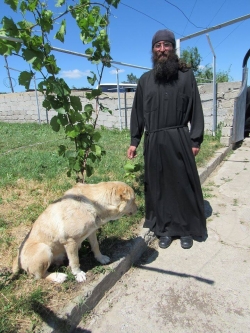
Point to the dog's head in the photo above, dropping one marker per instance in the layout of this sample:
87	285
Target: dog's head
111	199
122	198
126	198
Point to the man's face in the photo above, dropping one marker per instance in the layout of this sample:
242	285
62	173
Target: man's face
165	61
161	50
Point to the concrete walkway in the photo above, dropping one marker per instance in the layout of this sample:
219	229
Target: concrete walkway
204	289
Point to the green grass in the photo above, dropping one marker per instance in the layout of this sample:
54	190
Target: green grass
31	176
208	148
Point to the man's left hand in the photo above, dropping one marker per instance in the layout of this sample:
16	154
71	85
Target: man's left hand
195	151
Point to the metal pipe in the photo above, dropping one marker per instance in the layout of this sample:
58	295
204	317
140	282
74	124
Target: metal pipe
125	106
8	72
18	40
37	103
219	26
214	129
202	32
119	100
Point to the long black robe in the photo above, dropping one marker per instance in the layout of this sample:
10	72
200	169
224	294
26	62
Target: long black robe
173	196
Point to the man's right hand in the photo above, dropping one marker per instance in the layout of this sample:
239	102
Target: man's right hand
131	153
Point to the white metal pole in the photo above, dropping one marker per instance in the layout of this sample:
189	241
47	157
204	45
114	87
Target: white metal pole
8	72
119	100
37	103
214	88
178	47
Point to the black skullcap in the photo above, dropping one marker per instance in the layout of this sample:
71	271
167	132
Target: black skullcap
165	35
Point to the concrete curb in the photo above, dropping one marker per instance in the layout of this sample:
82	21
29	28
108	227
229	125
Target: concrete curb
69	317
220	155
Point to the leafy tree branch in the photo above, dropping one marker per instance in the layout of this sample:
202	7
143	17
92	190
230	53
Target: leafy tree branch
77	121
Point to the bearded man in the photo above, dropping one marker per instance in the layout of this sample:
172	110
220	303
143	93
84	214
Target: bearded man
166	101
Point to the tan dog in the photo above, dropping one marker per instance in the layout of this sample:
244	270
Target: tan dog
63	226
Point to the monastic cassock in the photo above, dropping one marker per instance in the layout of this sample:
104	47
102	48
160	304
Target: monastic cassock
173	196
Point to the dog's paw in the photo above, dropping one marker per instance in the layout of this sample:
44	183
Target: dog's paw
103	259
56	277
80	277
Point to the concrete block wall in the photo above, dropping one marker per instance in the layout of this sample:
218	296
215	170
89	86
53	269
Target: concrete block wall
27	107
226	94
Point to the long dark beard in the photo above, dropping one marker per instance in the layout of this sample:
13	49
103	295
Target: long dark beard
165	67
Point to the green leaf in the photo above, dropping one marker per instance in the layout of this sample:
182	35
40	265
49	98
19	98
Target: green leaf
27	25
105	109
56	104
71	131
31	55
40	86
46	48
81	152
129	175
46	104
138	167
88	108
97	149
23	7
63	119
4	49
7	47
76	103
60	87
60	3
93	79
24	79
70	154
97	136
12	3
51	66
9	26
92	157
89	170
54	124
45	20
60	110
129	167
31	5
61	150
113	2
89	51
93	94
75	117
61	32
89	128
77	165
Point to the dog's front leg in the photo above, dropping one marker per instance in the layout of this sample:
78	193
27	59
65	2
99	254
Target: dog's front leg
71	248
96	250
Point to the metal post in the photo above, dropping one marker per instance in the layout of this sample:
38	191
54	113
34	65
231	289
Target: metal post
125	106
119	100
214	129
8	72
178	47
37	103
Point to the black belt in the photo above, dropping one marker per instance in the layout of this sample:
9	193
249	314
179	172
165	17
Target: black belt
165	129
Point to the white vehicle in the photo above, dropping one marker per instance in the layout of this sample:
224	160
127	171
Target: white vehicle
112	87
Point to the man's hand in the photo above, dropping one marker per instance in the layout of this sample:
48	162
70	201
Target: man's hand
195	151
131	153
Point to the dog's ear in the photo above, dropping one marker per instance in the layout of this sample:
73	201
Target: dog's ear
124	192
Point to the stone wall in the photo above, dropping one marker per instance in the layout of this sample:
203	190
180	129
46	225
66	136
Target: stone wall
27	107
